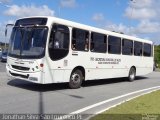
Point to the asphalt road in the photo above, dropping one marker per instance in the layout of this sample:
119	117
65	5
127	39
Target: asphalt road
21	97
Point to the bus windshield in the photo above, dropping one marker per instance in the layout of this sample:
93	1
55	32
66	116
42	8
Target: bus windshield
28	42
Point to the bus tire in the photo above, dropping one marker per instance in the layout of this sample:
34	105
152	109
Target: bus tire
76	79
132	74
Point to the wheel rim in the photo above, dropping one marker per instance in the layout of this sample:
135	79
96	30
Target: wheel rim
75	78
132	74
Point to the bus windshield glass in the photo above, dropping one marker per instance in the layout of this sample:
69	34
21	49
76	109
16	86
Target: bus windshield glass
28	42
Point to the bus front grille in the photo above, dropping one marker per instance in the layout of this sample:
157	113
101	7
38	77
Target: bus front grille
19	75
20	68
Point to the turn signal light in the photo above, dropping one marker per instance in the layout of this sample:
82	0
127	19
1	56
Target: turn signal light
41	65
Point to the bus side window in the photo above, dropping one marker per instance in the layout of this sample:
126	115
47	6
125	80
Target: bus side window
98	42
87	42
80	39
92	46
147	50
73	43
127	47
114	45
137	48
51	40
59	42
59	39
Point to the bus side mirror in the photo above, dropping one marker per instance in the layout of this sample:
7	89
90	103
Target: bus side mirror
6	32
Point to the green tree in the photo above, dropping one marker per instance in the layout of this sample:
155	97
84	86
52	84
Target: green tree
157	54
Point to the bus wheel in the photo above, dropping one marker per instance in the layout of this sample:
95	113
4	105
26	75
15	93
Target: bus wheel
132	74
76	79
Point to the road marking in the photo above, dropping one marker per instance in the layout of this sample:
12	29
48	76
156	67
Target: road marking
112	99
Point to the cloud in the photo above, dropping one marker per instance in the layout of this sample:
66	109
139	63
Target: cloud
9	22
146	14
143	9
68	3
146	27
121	28
141	3
5	1
139	14
98	17
24	11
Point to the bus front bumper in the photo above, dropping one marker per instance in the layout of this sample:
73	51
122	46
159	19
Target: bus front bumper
35	77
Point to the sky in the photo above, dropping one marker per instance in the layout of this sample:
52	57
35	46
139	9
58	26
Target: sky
140	18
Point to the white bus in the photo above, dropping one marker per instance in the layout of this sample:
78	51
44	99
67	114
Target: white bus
51	50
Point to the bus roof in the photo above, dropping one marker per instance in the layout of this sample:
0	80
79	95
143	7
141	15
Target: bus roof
51	20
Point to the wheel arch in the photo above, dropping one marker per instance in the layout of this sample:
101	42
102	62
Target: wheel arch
81	69
133	67
132	73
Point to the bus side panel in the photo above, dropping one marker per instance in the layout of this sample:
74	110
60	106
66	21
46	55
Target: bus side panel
56	72
144	65
106	73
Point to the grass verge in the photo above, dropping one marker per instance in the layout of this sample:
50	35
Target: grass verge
146	107
158	69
